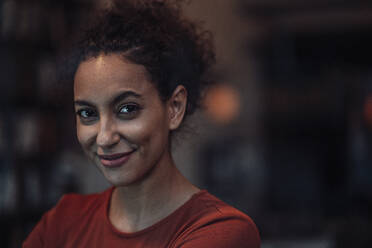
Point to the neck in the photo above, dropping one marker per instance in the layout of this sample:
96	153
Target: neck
144	203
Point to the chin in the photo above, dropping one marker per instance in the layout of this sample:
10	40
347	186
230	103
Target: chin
120	178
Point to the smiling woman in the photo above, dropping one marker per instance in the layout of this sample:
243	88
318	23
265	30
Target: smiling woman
140	72
122	124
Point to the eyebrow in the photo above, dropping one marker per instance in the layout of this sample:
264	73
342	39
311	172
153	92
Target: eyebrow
125	95
116	100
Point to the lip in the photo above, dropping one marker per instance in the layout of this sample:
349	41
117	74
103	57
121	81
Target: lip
114	160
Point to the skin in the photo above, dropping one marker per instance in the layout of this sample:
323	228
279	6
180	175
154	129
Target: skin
119	111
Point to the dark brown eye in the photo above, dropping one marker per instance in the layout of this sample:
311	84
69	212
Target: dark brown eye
128	109
87	114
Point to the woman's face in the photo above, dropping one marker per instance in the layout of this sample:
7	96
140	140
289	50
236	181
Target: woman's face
122	124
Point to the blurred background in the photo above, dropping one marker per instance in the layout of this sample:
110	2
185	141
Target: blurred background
285	135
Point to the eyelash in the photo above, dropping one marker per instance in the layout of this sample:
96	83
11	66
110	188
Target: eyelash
91	114
135	109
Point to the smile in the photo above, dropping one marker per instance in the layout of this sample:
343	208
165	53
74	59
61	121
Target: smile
115	160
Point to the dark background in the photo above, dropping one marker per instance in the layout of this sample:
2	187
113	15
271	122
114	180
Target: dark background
286	138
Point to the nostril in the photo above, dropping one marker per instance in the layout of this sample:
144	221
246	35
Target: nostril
107	138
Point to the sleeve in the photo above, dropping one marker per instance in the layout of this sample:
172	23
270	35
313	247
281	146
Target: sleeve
235	233
47	228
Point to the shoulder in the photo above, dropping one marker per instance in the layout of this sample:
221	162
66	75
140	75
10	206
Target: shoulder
74	209
217	224
72	206
71	213
78	204
210	209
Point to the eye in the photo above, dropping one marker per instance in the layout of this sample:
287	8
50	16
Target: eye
128	110
87	115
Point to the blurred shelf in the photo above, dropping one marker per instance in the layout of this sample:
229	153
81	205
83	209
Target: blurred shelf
277	8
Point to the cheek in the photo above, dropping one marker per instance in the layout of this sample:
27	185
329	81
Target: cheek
85	135
146	133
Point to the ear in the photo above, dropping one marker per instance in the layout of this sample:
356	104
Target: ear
177	107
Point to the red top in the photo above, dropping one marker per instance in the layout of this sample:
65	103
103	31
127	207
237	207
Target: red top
203	221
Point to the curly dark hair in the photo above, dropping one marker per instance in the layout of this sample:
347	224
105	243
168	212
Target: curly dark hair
154	34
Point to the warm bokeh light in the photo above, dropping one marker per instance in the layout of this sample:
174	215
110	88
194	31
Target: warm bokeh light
222	103
368	110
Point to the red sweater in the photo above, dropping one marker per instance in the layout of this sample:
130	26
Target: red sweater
203	221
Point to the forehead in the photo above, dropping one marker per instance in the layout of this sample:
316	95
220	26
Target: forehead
109	74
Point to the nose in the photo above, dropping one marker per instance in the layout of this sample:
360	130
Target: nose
107	135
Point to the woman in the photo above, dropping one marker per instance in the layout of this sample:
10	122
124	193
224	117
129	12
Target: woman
139	73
